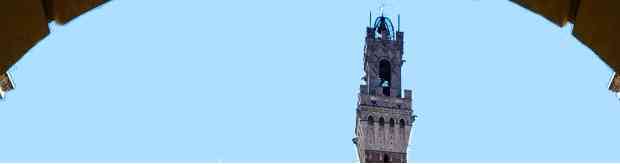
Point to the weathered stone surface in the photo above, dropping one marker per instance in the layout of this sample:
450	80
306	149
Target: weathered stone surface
384	115
383	157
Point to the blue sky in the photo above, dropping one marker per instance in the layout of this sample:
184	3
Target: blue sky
265	81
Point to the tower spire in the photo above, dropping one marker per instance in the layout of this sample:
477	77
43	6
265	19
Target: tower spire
370	18
382	6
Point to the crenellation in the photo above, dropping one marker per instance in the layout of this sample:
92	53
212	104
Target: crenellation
384	101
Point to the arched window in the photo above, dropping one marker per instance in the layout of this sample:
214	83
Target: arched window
402	123
386	158
385	74
371	120
391	122
381	121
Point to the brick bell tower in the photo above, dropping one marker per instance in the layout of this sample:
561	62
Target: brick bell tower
384	115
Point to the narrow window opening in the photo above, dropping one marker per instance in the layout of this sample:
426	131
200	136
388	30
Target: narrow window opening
402	123
386	158
371	120
391	122
385	74
381	121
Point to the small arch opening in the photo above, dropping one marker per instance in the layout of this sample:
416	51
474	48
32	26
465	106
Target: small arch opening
392	122
371	120
402	123
381	121
385	74
386	158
